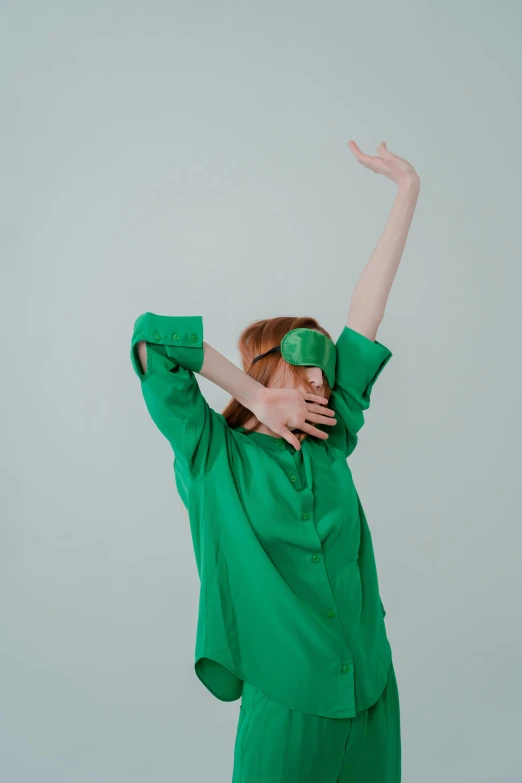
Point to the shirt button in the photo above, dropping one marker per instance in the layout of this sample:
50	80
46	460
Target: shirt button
331	613
279	441
306	515
175	337
157	335
346	668
293	479
193	338
316	558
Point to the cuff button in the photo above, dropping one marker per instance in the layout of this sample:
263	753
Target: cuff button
157	335
193	338
175	337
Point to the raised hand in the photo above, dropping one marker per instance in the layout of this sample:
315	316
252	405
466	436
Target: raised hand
386	163
284	409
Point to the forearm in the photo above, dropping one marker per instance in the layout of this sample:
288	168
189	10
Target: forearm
218	369
371	292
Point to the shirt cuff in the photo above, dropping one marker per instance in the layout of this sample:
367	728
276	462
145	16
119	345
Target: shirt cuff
359	361
182	336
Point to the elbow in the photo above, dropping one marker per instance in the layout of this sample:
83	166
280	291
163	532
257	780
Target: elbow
141	351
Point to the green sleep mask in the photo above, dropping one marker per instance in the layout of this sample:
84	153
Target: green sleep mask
307	347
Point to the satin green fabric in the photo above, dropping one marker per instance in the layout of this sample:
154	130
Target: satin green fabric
278	745
289	598
309	347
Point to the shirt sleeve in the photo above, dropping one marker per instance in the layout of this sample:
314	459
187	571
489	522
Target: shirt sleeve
171	391
359	362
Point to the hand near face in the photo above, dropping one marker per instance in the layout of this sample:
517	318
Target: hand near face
281	409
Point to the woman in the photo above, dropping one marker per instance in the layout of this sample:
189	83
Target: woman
290	616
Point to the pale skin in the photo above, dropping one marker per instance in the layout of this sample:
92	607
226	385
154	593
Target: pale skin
281	406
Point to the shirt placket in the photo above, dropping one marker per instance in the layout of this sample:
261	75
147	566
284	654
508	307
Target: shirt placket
346	666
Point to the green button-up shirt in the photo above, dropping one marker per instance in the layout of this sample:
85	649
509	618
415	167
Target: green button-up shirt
289	597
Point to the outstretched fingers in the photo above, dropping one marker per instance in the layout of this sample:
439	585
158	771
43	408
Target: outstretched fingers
314	397
321	414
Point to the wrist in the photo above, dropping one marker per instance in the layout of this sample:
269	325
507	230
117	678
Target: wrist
410	184
250	392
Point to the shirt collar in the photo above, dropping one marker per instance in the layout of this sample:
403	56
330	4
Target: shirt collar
268	441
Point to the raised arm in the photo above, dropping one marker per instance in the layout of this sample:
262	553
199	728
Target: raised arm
218	369
360	357
166	354
370	294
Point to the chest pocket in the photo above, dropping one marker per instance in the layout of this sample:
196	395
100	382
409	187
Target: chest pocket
337	510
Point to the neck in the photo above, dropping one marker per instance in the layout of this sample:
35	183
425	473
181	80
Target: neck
252	421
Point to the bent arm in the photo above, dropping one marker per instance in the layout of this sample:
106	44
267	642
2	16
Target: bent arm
370	294
218	369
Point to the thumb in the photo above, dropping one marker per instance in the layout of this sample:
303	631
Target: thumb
382	149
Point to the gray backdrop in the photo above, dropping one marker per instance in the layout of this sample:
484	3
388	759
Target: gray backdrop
191	158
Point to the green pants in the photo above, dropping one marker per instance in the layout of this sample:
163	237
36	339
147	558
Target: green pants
279	745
